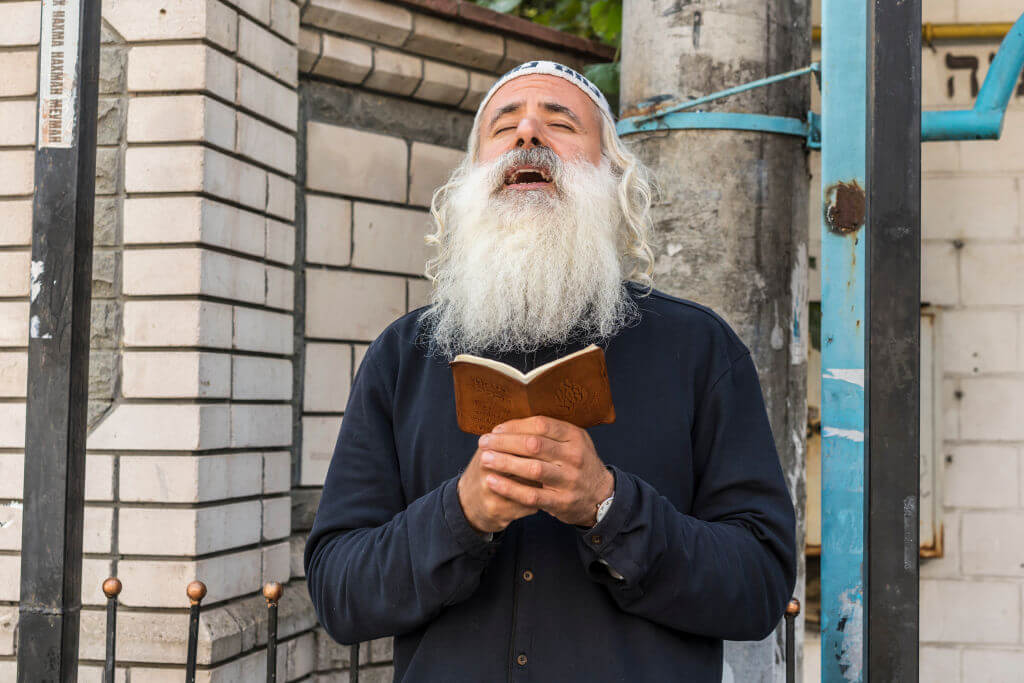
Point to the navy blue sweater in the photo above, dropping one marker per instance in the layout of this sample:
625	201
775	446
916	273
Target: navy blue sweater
701	528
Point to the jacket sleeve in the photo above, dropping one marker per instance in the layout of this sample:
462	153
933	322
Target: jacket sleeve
375	565
727	569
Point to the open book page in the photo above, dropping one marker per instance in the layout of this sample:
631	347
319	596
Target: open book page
511	372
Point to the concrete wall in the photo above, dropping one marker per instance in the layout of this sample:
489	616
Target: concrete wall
263	173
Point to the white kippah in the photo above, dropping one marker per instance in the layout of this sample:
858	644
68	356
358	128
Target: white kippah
551	69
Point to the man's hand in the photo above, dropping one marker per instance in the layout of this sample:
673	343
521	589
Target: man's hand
486	510
556	454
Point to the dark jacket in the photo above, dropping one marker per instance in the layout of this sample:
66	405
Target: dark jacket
701	528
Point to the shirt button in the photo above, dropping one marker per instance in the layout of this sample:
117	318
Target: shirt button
595	539
521	660
527	575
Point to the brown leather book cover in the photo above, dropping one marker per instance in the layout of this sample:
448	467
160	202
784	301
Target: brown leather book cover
573	388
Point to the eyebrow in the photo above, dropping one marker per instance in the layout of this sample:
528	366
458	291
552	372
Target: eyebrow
553	107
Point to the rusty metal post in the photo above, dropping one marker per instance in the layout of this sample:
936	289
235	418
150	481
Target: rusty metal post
196	591
792	612
111	588
731	218
272	592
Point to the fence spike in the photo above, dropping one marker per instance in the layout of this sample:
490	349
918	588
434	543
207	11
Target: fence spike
792	610
272	592
111	588
196	591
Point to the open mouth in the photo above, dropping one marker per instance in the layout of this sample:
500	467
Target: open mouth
527	177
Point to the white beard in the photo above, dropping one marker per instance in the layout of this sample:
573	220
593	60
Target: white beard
522	269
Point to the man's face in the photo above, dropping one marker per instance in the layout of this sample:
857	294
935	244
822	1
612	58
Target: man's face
539	111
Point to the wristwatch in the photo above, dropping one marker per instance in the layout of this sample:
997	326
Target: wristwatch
603	508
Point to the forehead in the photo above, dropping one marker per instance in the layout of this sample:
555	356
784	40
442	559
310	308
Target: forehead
542	88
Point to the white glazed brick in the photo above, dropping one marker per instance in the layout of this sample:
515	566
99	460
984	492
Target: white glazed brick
147	427
176	374
442	83
394	72
991	666
947	566
267	52
343	60
189	478
94	573
193	271
277	472
13	374
377	22
18	73
19	23
944	605
328	230
280	197
17	167
280	288
172	118
977	477
12	425
259	378
352	162
280	242
157	220
940	156
984	11
310	45
262	331
479	84
951	408
327	377
15	222
267	97
10	580
992	274
158	583
993	543
939	664
939	273
194	531
388	238
177	323
10	527
19	117
97	532
12	475
265	144
997	155
418	293
350	306
459	43
99	477
8	623
284	19
14	277
979	341
180	67
276	561
963	207
194	169
990	408
429	168
277	518
13	323
319	434
257	9
258	425
145	21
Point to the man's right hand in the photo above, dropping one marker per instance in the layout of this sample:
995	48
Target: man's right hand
486	511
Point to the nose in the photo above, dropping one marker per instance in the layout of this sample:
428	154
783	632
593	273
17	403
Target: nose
529	134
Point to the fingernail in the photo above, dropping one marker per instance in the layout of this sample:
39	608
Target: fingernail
485	439
487	457
499	429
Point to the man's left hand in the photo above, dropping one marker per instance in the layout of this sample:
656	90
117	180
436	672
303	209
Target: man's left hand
556	454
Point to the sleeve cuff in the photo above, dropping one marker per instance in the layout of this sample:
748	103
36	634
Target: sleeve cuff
471	541
599	543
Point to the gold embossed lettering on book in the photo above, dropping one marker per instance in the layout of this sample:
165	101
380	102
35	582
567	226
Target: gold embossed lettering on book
573	388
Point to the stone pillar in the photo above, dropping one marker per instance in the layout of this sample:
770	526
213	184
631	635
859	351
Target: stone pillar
733	209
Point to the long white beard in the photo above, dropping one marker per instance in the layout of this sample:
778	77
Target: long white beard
519	270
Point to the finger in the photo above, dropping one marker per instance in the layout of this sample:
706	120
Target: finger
528	445
539	425
527	496
525	468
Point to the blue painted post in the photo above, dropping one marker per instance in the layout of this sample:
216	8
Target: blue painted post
843	97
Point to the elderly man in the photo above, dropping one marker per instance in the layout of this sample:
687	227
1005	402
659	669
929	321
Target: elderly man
542	551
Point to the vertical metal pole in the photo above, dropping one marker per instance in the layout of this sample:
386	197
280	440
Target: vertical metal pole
272	592
843	111
196	591
353	665
893	328
111	588
58	348
792	612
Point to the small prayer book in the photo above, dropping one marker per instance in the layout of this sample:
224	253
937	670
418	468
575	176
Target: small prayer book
573	388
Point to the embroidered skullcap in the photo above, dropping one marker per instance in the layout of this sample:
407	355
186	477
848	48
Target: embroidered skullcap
551	69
